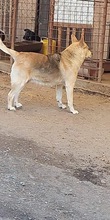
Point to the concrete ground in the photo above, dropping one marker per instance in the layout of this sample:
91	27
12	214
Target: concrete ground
54	165
95	87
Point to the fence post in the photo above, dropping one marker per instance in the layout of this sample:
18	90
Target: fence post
14	21
102	40
50	28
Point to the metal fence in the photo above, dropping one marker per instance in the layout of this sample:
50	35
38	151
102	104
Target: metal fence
53	21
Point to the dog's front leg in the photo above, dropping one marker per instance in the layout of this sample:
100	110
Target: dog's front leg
69	92
59	97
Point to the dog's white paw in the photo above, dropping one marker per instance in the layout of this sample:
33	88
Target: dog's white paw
75	112
12	108
18	105
63	106
72	110
60	105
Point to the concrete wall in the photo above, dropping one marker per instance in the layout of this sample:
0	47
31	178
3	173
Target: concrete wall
74	11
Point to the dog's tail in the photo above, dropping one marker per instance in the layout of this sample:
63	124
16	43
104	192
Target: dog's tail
11	52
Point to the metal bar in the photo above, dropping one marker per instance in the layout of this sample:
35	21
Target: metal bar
67	36
102	39
50	28
13	25
71	25
14	21
59	38
37	17
2	12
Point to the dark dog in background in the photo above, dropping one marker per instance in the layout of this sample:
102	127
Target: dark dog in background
30	35
2	35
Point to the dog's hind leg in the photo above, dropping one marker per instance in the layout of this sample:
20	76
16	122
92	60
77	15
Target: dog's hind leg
69	92
16	103
59	97
13	97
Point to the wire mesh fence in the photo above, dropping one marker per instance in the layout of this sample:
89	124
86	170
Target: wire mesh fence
46	26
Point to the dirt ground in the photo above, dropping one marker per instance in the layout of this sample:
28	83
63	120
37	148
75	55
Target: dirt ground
54	165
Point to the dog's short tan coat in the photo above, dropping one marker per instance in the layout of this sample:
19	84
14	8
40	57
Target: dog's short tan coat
56	69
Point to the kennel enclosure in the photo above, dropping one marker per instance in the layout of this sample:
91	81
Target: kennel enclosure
56	20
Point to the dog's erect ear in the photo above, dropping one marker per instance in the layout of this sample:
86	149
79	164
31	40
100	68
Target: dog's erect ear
81	42
73	37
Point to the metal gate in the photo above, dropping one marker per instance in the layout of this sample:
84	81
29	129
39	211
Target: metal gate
55	20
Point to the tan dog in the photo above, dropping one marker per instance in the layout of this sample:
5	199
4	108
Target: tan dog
57	69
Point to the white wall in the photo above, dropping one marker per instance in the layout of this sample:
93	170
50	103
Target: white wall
74	11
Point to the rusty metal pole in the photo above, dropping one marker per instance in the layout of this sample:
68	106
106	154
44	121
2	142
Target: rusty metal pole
13	25
50	27
102	40
14	21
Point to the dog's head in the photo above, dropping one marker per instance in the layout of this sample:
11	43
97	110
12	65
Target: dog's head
30	35
80	47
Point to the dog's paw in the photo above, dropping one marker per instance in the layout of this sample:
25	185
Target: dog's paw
18	105
60	105
63	106
74	112
12	108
